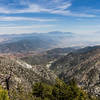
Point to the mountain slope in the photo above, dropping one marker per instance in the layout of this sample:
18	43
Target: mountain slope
25	45
21	73
84	66
47	56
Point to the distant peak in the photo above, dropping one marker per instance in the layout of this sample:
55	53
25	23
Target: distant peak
59	32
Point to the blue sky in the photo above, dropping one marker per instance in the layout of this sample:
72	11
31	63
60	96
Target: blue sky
27	16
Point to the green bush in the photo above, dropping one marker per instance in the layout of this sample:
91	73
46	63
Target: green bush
59	91
3	94
42	90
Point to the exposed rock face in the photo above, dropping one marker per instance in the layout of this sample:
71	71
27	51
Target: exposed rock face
84	66
22	73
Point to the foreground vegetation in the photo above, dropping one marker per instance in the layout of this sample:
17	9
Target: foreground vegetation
3	94
43	91
60	91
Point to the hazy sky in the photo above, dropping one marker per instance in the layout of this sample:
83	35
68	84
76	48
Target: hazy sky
27	16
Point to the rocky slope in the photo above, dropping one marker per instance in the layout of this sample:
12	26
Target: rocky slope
14	72
84	66
48	56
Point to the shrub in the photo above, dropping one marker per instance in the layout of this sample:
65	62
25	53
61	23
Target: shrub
59	91
3	94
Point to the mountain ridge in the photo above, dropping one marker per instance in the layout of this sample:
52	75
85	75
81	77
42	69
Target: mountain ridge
84	66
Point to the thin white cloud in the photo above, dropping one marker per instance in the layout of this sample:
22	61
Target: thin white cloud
26	19
4	10
24	27
65	6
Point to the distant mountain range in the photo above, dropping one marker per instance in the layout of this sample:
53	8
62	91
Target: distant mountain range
15	43
32	42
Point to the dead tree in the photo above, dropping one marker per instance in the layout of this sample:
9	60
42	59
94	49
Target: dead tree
7	80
